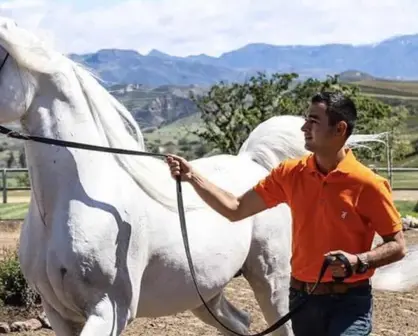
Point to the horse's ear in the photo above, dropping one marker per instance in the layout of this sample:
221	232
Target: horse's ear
11	24
8	23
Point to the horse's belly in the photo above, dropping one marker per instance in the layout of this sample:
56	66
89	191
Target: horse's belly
167	290
218	250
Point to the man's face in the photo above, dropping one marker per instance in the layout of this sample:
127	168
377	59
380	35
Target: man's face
320	137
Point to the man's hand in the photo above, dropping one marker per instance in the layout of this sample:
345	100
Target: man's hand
179	167
225	203
337	268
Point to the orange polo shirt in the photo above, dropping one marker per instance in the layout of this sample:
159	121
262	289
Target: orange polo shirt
339	211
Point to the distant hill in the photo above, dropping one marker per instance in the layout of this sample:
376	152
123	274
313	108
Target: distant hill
355	76
154	107
394	58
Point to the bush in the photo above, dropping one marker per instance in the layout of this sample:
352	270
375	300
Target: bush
14	290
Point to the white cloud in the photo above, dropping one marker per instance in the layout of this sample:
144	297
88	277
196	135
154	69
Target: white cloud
184	27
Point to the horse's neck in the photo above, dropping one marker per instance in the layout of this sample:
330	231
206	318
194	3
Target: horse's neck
65	113
62	115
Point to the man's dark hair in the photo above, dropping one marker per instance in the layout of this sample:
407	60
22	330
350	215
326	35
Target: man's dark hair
339	108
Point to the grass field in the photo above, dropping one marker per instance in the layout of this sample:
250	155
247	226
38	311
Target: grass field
403	180
407	208
180	129
10	211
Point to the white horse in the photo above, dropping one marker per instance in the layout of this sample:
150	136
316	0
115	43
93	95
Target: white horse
101	242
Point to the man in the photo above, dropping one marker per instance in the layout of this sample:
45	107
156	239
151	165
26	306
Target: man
337	206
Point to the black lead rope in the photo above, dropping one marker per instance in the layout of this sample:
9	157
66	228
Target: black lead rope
4	61
72	144
327	261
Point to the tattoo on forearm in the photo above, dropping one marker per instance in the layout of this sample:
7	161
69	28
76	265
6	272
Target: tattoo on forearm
384	254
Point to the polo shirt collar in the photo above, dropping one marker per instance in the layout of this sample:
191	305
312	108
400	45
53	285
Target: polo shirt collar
345	166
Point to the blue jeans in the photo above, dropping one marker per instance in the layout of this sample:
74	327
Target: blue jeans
333	315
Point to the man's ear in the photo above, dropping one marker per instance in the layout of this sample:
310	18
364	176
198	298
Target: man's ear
341	128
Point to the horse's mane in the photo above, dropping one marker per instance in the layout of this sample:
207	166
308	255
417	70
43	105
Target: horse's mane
27	49
151	174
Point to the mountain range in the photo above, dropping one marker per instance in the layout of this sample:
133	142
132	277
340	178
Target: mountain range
393	58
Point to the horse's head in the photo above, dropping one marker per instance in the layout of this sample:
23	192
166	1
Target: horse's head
35	77
14	89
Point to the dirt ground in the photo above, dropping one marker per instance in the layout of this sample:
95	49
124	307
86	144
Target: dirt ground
394	313
405	195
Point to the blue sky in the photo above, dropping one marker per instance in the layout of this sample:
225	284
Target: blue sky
185	27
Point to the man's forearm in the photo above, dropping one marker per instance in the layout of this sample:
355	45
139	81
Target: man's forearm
218	199
386	253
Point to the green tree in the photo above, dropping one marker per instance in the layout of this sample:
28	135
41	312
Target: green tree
231	111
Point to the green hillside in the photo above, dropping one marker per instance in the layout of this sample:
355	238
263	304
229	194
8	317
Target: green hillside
395	93
401	89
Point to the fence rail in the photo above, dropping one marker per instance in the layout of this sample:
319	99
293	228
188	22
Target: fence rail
5	179
401	178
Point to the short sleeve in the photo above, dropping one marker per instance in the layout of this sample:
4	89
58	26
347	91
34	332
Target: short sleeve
377	206
273	188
